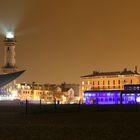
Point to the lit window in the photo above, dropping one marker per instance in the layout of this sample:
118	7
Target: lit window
83	88
88	82
98	83
83	82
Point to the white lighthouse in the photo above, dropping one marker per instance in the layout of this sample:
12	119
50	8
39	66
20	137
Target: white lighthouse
9	53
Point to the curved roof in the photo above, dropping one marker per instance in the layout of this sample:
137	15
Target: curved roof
7	78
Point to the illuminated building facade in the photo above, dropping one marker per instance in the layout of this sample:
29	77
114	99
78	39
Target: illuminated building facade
102	81
130	95
65	93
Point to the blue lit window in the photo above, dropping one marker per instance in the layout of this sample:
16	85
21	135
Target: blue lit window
118	94
108	94
93	94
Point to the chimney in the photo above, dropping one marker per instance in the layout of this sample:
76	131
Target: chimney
136	71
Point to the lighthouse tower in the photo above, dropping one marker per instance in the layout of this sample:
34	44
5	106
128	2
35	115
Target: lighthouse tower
9	54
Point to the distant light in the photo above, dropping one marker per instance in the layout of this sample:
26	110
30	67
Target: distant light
10	35
14	93
138	99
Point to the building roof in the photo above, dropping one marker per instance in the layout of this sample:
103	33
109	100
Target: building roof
7	78
124	72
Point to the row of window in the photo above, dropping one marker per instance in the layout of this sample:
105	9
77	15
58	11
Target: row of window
108	99
27	92
105	87
102	87
109	81
132	87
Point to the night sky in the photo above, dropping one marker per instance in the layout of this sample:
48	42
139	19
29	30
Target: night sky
61	40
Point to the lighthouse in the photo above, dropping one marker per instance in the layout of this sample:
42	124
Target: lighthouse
9	53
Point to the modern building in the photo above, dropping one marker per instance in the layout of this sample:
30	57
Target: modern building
7	78
101	81
130	95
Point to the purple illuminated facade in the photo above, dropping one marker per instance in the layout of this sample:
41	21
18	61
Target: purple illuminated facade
130	95
102	97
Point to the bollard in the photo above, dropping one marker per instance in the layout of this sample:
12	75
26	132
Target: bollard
26	106
40	105
55	106
79	105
